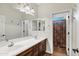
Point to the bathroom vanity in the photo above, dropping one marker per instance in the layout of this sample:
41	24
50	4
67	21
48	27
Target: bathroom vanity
36	50
26	46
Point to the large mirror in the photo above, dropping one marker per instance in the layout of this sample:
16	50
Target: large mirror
15	20
14	23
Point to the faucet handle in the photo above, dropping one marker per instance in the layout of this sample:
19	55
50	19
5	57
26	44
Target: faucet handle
3	35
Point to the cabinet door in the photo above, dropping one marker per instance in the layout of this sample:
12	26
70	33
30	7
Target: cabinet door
43	47
36	50
28	52
44	44
40	48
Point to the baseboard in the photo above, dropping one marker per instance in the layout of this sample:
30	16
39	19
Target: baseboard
49	52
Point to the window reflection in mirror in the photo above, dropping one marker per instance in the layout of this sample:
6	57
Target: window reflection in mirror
38	25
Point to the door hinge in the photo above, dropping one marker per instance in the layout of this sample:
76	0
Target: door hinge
68	33
68	49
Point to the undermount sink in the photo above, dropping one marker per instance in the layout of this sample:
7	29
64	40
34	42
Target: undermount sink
7	50
4	51
15	47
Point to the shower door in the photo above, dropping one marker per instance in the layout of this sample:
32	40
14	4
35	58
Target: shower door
25	25
2	27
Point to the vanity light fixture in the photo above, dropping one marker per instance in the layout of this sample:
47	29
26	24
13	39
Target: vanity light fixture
26	8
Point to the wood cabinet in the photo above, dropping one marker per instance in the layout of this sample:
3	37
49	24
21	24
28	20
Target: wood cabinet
42	48
28	52
37	50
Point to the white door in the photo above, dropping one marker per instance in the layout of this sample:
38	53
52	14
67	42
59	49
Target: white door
68	29
69	33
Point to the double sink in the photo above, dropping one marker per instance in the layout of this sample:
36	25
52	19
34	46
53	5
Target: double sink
19	46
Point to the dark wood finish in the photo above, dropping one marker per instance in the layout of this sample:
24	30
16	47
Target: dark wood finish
37	50
28	52
42	48
59	33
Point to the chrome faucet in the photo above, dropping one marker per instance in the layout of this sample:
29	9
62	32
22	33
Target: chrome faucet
11	43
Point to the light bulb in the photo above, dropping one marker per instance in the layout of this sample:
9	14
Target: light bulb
32	10
27	12
22	10
27	8
31	13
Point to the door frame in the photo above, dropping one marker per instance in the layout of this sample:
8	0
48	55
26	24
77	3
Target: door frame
69	37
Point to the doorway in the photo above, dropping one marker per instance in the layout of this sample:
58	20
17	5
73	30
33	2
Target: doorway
59	34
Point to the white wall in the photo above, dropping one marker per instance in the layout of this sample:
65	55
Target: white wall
47	33
76	21
45	11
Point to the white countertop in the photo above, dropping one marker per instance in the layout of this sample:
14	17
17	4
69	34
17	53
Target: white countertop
20	46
